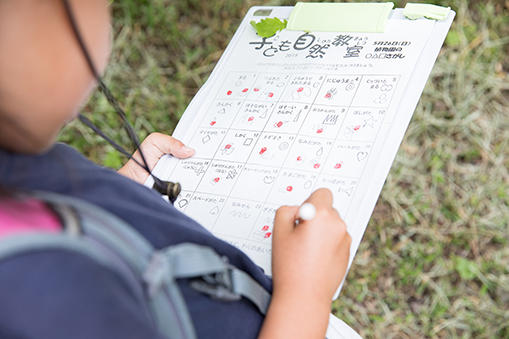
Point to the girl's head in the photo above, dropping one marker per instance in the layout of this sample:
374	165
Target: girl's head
44	77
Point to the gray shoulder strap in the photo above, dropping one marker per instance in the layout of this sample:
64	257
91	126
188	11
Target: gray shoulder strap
33	242
186	260
221	280
110	238
111	242
168	313
111	233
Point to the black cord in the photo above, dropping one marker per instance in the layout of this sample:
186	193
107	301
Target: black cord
164	187
119	148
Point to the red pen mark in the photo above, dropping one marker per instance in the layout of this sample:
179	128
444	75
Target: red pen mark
212	123
263	150
216	179
356	128
320	130
267	235
256	89
244	90
328	95
279	124
229	93
299	158
228	146
337	166
316	166
271	95
250	119
265	228
289	188
300	89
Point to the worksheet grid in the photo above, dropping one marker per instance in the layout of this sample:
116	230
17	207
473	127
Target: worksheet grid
265	115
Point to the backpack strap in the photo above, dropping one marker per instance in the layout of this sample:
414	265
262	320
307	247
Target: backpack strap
33	242
131	253
220	280
112	242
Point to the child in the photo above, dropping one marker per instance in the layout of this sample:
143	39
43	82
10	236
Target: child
57	294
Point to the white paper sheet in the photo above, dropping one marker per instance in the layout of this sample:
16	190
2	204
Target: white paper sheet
338	329
323	111
279	118
282	117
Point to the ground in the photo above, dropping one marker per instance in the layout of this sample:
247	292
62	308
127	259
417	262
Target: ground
434	262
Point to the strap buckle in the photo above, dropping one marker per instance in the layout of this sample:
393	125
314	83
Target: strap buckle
219	286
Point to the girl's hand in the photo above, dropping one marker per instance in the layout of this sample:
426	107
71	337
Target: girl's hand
309	261
153	148
311	255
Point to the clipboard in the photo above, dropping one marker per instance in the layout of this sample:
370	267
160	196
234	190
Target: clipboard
384	150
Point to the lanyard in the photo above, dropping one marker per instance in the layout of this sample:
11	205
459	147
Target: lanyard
171	189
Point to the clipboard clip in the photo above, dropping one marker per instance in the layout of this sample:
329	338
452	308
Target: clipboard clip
340	17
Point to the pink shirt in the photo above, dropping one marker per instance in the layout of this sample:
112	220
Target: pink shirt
26	215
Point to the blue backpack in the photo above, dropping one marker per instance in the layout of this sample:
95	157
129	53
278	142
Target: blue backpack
151	274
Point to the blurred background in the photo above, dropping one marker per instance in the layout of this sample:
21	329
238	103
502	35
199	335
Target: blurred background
434	262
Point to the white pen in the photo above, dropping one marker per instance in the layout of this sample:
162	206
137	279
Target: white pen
307	211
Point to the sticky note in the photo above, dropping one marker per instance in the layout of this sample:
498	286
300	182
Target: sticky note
416	11
340	17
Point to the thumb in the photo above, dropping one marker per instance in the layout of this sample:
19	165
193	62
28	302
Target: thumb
284	222
157	144
177	148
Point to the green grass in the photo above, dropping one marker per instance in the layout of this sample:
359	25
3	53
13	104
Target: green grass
434	262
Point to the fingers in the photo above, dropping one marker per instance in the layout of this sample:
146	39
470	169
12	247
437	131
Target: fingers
153	148
158	144
284	221
286	216
308	250
321	198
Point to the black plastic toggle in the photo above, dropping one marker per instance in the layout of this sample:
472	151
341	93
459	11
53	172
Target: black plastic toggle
171	189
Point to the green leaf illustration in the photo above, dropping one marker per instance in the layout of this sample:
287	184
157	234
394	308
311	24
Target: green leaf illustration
268	27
